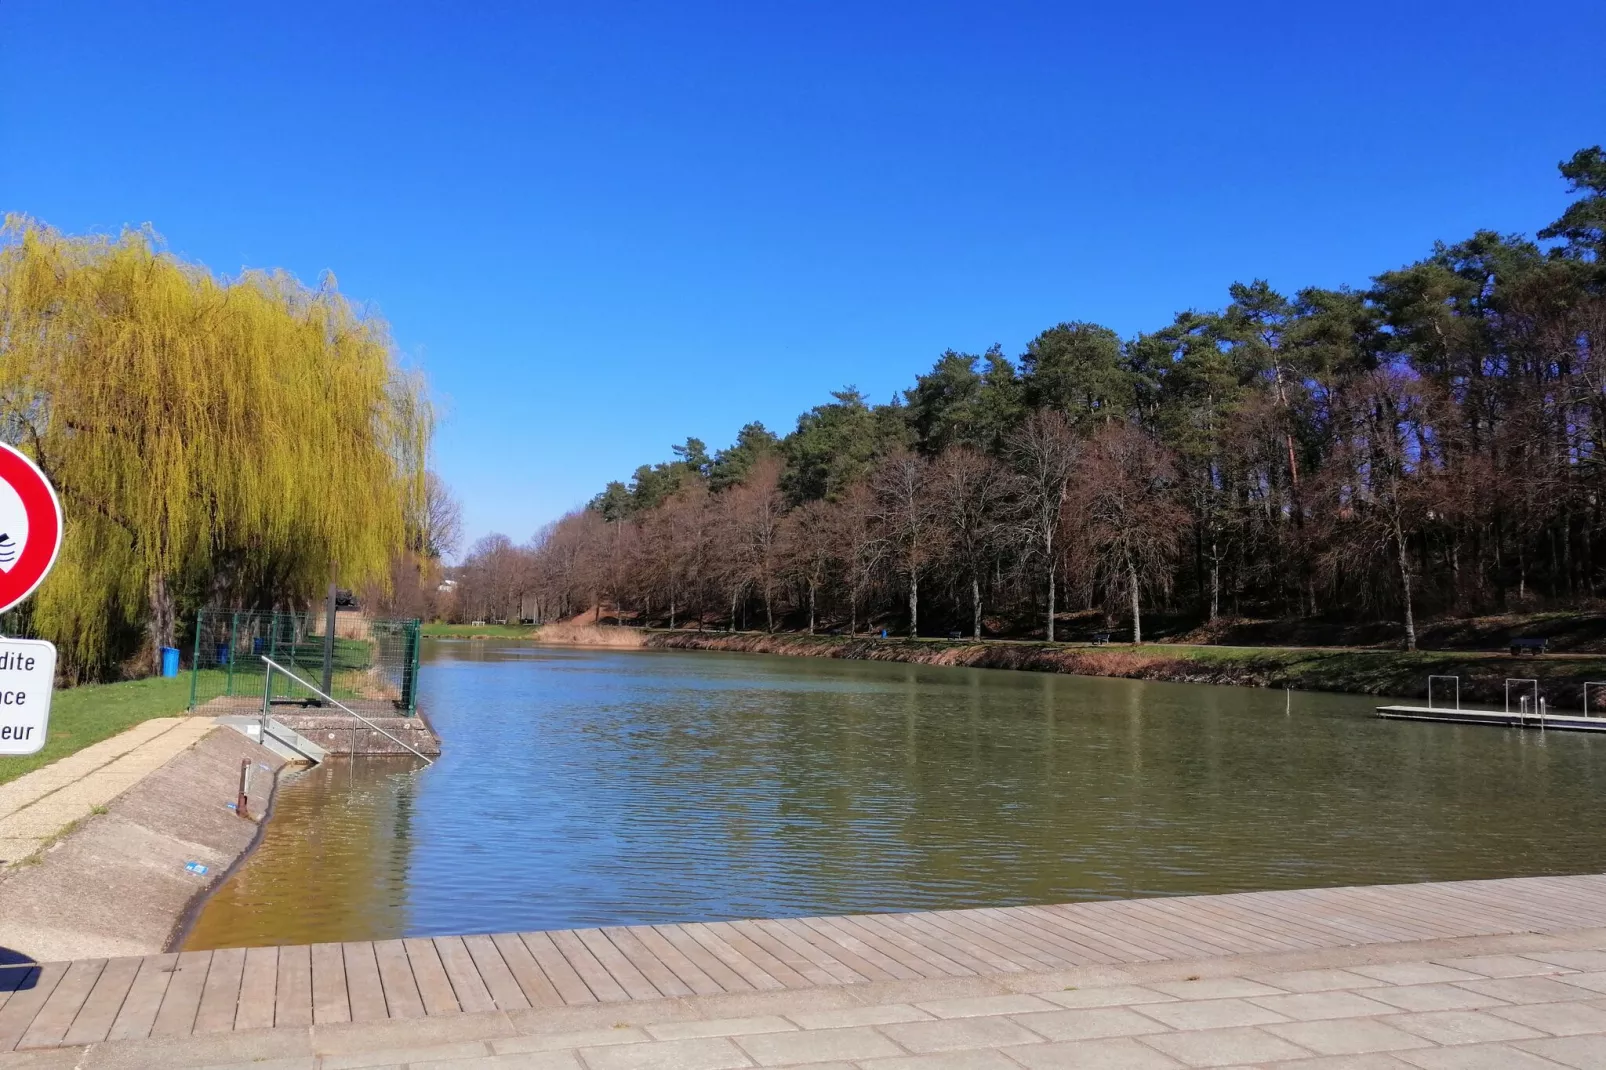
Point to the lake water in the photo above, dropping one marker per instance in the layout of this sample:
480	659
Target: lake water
595	787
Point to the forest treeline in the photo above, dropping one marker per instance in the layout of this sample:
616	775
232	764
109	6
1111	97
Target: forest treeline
215	441
1431	443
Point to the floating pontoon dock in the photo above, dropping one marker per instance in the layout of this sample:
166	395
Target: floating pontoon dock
1570	722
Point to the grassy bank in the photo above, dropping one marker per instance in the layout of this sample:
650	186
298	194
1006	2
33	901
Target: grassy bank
1368	672
479	631
81	716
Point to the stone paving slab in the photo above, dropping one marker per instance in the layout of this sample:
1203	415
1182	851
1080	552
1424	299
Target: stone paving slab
1317	1011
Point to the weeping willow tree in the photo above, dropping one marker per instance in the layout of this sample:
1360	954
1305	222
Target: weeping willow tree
214	441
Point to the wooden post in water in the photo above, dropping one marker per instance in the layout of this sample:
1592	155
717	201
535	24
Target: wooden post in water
329	635
240	800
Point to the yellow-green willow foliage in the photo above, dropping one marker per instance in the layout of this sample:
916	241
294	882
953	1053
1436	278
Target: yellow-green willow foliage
213	440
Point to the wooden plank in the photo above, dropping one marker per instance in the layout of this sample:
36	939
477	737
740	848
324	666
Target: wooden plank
259	983
950	944
1184	933
750	971
138	1012
292	998
182	1001
1315	933
758	956
365	993
1392	912
912	953
1578	901
402	997
56	1016
1284	904
1275	930
795	960
1199	923
1496	906
1155	933
434	987
1389	914
834	950
620	968
329	1000
533	981
992	956
12	977
1092	928
659	974
26	1001
1586	906
1443	913
597	979
569	984
494	971
840	972
1036	930
694	976
94	1022
711	964
220	999
1368	926
472	994
1037	924
1044	954
855	952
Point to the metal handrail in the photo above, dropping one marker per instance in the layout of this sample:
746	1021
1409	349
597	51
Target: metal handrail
330	698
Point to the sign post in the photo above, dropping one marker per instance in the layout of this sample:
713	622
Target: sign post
30	539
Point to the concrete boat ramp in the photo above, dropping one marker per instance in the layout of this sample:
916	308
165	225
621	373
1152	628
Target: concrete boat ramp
1494	973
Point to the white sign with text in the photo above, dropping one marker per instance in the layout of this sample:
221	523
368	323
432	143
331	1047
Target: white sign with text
27	677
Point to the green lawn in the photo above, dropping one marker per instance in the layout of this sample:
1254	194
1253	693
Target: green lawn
80	716
478	631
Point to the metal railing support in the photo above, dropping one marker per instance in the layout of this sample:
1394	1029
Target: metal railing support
1528	683
272	665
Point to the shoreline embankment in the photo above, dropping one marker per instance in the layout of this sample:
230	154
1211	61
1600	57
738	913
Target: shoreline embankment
1395	673
123	880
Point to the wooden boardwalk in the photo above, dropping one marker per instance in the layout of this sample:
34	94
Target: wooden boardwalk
210	992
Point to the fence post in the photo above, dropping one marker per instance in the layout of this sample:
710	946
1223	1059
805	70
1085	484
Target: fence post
329	617
195	656
267	693
234	632
415	635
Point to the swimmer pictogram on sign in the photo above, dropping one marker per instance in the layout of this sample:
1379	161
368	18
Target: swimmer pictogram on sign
30	527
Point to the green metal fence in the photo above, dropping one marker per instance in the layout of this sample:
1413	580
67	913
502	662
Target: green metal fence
372	664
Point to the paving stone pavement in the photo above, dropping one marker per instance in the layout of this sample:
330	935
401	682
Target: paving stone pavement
38	805
1483	1003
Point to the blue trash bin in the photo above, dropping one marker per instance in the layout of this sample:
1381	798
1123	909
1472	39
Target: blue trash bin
223	653
170	661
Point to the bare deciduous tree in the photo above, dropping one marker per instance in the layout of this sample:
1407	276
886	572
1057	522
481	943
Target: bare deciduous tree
972	498
1126	514
1043	454
907	517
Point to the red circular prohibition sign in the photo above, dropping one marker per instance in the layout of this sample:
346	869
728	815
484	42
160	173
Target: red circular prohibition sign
44	526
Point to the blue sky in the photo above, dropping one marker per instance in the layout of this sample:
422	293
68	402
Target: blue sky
601	227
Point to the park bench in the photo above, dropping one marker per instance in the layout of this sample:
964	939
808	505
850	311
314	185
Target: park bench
956	634
1528	644
1100	638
